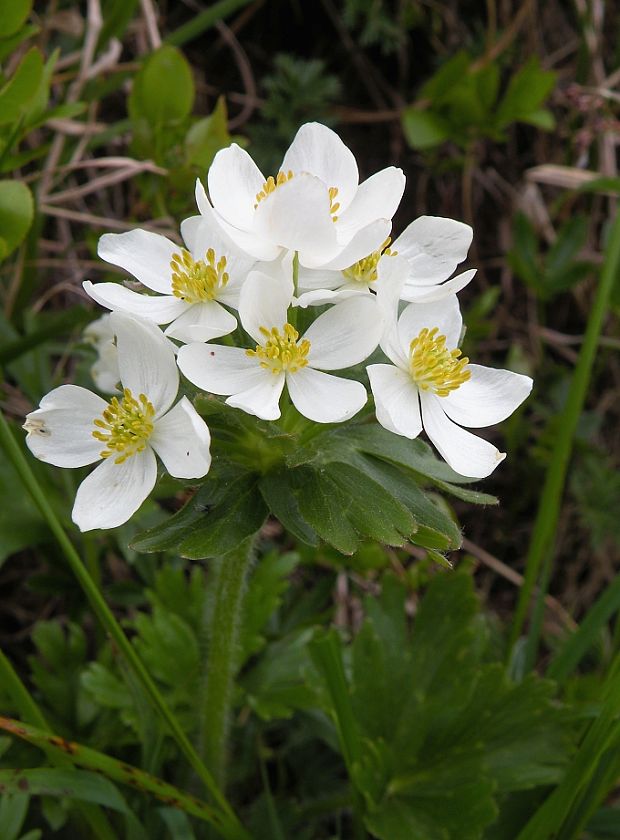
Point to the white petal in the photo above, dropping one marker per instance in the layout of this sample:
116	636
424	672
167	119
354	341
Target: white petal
104	371
363	243
310	279
392	272
346	334
263	398
467	454
219	369
296	216
234	181
434	246
181	438
325	398
144	254
319	297
318	150
202	322
444	314
202	201
428	294
252	243
112	493
488	397
146	361
60	431
264	302
376	198
204	232
397	401
157	308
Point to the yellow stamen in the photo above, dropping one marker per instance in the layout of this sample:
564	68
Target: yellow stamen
281	351
435	368
334	206
271	184
127	425
196	281
365	270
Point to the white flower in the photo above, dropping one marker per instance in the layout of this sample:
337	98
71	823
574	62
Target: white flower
191	284
429	251
74	427
430	385
433	247
253	379
104	371
315	204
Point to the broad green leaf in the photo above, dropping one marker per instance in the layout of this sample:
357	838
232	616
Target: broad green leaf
169	648
226	510
279	496
163	89
207	136
526	92
441	85
13	812
65	782
13	15
322	504
16	213
425	129
18	93
10	44
21	525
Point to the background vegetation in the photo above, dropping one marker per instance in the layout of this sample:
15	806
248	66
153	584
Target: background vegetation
380	694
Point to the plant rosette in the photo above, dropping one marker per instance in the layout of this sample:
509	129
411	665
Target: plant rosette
253	379
74	428
193	285
315	205
431	385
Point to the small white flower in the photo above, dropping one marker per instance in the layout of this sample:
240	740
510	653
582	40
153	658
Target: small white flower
191	284
74	427
104	371
315	204
431	385
253	379
429	250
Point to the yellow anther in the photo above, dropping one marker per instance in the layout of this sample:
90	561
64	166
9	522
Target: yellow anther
365	270
334	206
271	184
435	368
126	426
195	281
281	350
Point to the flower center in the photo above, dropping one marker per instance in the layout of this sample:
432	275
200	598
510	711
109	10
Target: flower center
126	426
365	270
435	368
281	351
271	184
196	281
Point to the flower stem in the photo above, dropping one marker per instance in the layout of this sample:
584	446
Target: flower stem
231	828
550	501
222	659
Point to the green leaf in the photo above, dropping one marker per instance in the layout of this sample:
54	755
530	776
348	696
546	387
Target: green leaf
21	525
163	89
18	93
425	129
16	213
65	782
13	15
9	45
13	812
207	136
169	648
226	510
526	92
441	85
279	496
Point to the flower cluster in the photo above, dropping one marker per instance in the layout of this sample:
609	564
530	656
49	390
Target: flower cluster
261	253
